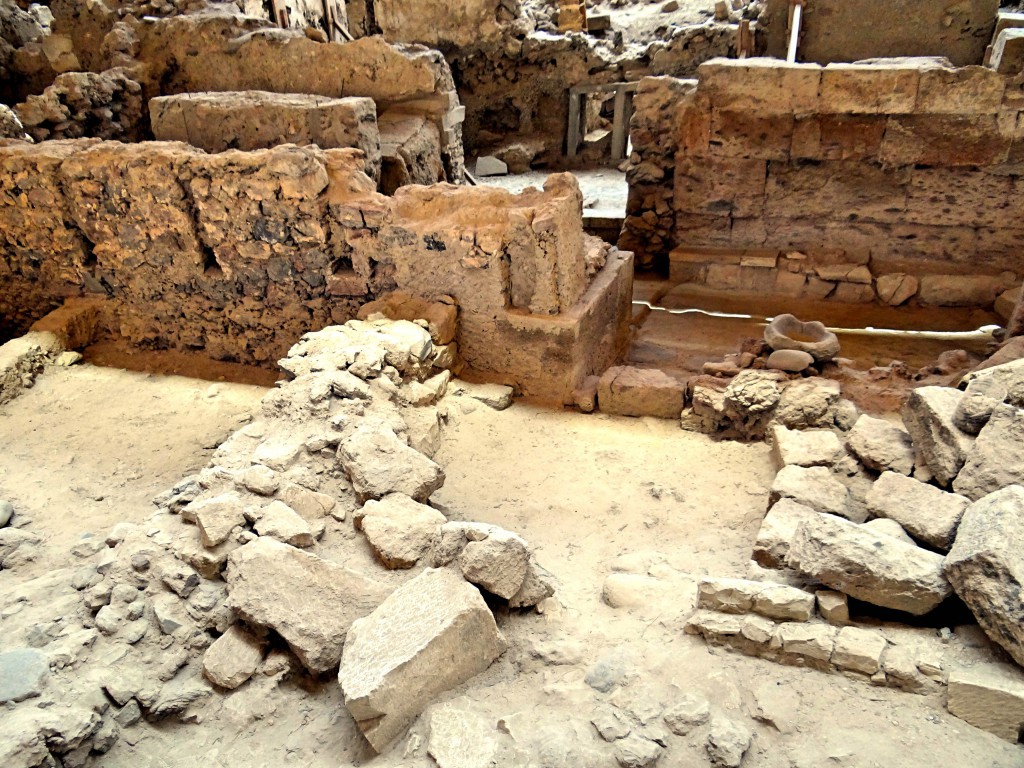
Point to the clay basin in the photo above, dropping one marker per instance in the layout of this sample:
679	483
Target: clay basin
787	332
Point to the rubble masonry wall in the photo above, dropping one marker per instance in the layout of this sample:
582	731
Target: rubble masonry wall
852	182
240	253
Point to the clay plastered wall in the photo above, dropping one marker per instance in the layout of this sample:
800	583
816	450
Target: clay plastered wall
853	30
240	253
906	168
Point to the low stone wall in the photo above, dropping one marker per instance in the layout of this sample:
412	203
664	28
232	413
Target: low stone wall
845	181
240	253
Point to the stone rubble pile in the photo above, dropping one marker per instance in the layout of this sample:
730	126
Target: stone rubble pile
905	517
256	565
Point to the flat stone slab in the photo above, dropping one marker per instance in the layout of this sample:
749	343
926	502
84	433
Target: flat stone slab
23	674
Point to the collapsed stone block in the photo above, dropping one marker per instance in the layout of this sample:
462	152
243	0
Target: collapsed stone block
881	445
430	635
309	601
777	531
817	488
986	566
928	416
926	512
379	463
872	567
989	696
627	391
996	459
233	657
399	529
804	448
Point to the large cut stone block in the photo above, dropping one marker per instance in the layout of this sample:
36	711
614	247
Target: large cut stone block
248	120
947	140
310	602
997	459
817	488
988	696
629	391
866	89
431	634
928	415
761	85
379	463
927	513
986	566
869	566
881	445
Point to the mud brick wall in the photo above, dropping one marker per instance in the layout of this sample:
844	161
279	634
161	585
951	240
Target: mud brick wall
853	182
240	253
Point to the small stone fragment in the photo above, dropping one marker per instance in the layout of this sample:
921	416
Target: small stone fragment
728	742
233	657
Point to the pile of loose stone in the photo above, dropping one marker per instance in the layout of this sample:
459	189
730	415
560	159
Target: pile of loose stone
257	565
906	517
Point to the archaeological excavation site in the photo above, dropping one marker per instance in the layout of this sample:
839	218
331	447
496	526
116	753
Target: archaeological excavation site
526	383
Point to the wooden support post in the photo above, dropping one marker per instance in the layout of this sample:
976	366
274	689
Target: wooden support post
620	125
572	147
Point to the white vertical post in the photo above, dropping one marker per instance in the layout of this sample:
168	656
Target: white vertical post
794	29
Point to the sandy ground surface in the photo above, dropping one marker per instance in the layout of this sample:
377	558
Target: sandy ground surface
88	447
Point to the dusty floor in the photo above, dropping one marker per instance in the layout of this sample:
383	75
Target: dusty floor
604	189
88	447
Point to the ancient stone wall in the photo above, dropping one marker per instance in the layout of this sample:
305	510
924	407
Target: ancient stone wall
848	181
240	253
516	95
187	54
